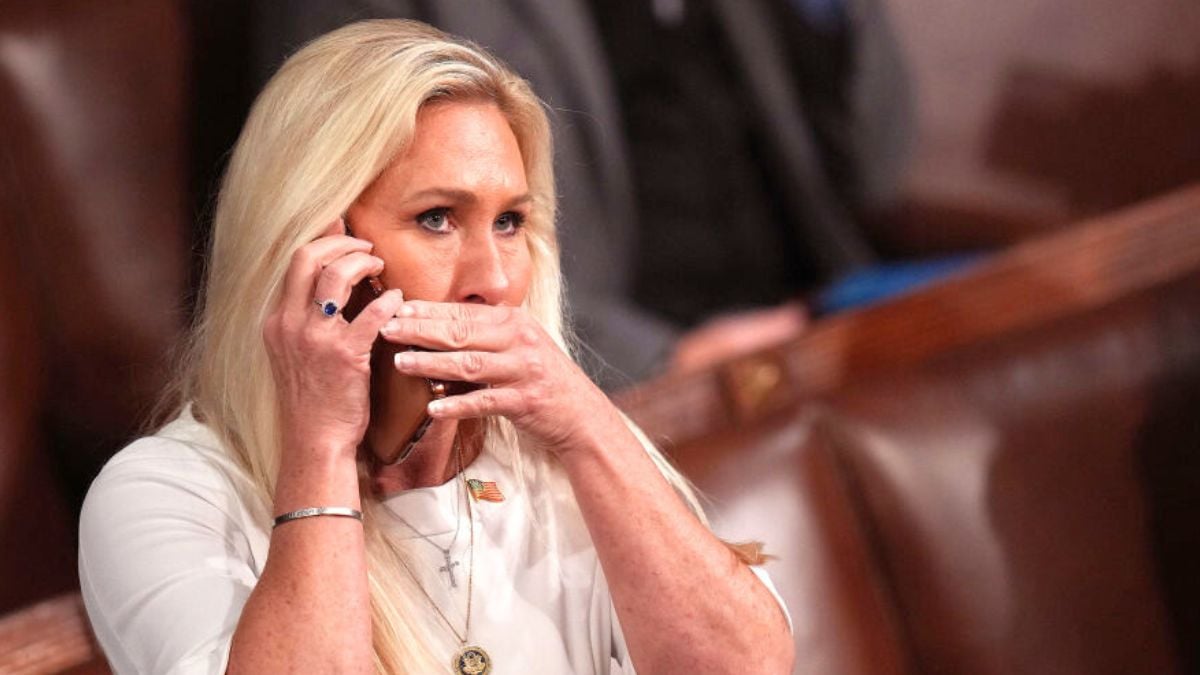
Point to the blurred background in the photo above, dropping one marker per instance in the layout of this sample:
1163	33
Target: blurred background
909	287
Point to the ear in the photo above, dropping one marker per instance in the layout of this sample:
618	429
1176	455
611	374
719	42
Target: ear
338	226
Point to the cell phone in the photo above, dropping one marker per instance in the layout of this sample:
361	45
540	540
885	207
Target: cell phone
399	416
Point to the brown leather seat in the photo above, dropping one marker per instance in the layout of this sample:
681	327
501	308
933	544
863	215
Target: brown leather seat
35	523
1004	490
993	475
93	203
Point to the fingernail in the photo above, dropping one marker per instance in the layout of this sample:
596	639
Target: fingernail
436	407
406	310
405	360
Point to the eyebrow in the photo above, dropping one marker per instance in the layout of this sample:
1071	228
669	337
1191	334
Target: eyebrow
453	194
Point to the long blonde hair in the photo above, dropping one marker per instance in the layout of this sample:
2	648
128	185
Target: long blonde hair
326	125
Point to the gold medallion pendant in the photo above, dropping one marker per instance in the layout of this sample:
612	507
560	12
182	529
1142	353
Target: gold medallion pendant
472	660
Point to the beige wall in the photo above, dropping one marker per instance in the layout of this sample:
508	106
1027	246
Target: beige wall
1034	107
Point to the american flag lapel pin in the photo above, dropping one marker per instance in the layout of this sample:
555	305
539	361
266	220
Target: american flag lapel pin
485	490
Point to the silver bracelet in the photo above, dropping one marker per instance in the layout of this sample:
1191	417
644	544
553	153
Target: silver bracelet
340	511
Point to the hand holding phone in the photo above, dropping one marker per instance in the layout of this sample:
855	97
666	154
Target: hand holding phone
399	403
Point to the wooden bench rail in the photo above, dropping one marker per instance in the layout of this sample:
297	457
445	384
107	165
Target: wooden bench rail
52	636
1086	266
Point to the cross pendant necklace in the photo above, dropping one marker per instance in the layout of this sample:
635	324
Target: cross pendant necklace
448	568
469	659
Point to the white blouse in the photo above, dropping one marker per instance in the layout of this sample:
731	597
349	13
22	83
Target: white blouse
170	551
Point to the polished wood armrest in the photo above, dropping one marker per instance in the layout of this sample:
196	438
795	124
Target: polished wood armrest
52	636
1084	267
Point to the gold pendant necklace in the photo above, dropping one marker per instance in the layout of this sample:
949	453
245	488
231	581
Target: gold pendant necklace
470	659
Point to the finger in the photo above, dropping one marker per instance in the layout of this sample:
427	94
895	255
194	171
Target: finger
366	326
461	311
308	261
337	279
460	366
478	403
448	334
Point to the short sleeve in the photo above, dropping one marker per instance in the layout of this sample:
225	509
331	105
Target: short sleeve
165	565
766	580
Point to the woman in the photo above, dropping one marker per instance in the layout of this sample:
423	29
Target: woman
571	551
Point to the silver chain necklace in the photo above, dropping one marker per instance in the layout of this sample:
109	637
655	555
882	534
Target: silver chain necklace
448	563
469	659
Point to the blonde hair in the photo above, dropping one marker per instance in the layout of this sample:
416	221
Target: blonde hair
326	125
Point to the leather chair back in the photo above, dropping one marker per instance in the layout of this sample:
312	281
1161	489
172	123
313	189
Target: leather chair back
1005	492
996	474
93	204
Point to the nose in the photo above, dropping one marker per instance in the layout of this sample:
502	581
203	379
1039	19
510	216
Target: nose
481	275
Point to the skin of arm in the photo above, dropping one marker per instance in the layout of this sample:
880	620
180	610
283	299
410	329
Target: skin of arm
685	602
310	611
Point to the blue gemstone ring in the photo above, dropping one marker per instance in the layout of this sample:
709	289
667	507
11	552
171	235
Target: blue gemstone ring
329	308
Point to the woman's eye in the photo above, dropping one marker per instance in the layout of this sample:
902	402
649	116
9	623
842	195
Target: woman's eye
435	220
510	222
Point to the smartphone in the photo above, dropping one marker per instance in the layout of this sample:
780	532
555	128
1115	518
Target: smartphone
399	416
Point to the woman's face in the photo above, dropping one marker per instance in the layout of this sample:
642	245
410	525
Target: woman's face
447	216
